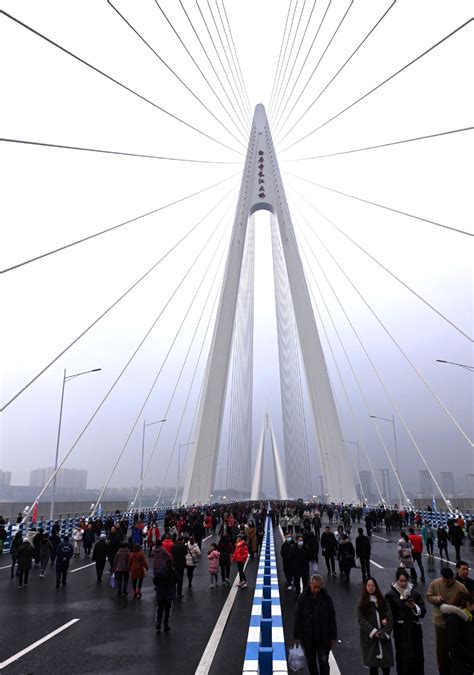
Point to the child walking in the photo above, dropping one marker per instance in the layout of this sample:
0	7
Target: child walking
213	557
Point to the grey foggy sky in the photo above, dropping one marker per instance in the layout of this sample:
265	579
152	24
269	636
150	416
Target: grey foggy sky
51	197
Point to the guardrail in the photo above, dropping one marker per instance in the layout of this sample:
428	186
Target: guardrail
265	652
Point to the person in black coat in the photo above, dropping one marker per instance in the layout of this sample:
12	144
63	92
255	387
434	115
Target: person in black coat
165	585
14	548
346	556
312	543
315	625
24	558
286	552
329	548
407	607
179	552
88	539
64	554
460	634
363	549
115	539
300	565
99	556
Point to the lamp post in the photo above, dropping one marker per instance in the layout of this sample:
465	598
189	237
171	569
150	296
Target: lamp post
461	365
181	445
66	378
392	422
145	425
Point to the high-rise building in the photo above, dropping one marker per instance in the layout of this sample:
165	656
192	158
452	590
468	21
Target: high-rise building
365	478
447	483
426	483
385	484
469	485
5	478
66	479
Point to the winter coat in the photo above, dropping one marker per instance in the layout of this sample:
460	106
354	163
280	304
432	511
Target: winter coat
225	549
241	552
346	555
88	537
300	561
286	552
153	535
252	535
315	619
15	545
192	555
137	564
101	549
179	555
213	558
328	544
404	553
448	593
160	556
460	632
121	560
25	555
370	621
407	631
165	584
64	552
311	541
168	545
77	534
363	546
46	549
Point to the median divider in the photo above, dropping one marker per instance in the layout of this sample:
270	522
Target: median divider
265	653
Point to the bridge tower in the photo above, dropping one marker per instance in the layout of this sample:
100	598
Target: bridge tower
262	188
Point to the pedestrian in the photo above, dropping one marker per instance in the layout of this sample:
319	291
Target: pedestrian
64	553
168	544
315	625
416	541
240	556
287	552
138	567
165	584
405	557
460	633
225	550
14	547
251	531
115	540
312	544
46	551
99	556
329	548
121	569
192	559
346	556
55	540
213	560
442	537
88	539
444	590
363	549
407	607
300	563
152	537
179	562
36	545
462	575
428	534
24	557
376	624
77	535
457	537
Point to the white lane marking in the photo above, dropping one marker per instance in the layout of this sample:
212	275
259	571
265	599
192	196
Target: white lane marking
381	567
47	637
7	567
208	537
382	538
81	568
443	560
210	651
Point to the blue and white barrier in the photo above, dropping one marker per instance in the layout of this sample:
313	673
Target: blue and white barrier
265	653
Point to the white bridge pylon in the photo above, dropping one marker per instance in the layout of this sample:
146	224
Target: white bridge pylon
280	481
262	188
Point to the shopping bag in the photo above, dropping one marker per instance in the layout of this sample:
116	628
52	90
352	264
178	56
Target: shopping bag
112	581
296	660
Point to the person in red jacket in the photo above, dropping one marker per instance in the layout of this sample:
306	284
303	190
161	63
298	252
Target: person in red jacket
153	536
240	556
168	544
416	541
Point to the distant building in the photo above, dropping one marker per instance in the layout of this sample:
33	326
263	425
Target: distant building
385	484
365	478
66	479
5	478
426	483
470	485
447	483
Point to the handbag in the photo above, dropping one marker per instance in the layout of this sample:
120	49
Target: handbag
112	580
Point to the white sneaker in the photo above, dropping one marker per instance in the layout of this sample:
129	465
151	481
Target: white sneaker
211	586
244	585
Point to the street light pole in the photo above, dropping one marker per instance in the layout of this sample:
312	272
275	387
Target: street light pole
461	365
66	378
392	422
150	424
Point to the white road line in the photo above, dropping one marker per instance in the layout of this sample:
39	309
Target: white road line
209	653
443	560
381	567
81	568
382	538
47	637
208	537
5	568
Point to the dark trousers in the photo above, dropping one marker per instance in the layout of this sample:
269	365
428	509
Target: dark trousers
137	582
365	566
304	580
163	606
99	568
121	582
330	564
419	562
61	576
190	573
23	574
288	572
317	659
429	546
375	671
180	582
240	567
443	547
442	653
13	566
225	571
457	548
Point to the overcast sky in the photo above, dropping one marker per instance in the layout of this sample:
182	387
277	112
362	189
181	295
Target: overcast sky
52	196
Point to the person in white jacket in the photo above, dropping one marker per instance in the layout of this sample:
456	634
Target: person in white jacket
77	535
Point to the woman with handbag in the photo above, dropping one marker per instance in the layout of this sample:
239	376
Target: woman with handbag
404	549
137	566
346	556
376	624
191	559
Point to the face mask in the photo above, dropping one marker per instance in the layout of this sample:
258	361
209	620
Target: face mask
300	543
289	540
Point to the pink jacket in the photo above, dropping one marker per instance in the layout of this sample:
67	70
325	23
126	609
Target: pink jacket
213	557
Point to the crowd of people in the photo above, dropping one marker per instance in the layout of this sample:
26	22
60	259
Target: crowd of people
389	623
